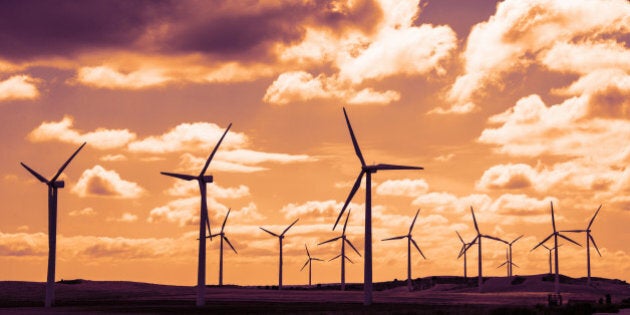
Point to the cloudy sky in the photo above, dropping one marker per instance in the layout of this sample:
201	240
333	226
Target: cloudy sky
508	106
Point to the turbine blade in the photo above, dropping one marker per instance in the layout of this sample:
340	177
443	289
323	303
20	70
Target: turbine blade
461	251
225	220
414	221
356	186
37	175
229	243
570	240
394	238
593	219
52	180
357	150
474	219
501	265
460	237
317	259
389	167
330	240
516	239
307	252
205	167
346	257
494	238
553	219
542	242
335	257
213	235
288	227
208	224
355	249
594	244
306	263
513	264
418	248
573	231
343	232
180	176
272	233
545	246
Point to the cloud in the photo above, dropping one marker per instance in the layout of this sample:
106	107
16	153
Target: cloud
113	158
320	211
447	202
100	182
23	244
125	217
524	33
108	78
189	137
100	138
402	187
19	87
83	212
190	188
507	176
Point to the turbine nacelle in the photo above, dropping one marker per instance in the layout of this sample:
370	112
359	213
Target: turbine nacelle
58	184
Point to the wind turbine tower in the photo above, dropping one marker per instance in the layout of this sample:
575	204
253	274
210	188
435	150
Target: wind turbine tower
410	241
223	237
555	234
309	262
462	251
280	238
510	273
589	239
478	239
344	239
367	170
53	184
204	221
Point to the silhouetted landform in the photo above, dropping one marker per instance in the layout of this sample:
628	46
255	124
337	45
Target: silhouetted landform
431	295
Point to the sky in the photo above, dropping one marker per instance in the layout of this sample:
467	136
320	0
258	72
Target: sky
507	105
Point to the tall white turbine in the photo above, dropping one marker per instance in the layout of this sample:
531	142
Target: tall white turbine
221	234
589	239
309	262
280	238
410	241
53	184
343	256
478	239
555	234
204	221
367	170
462	251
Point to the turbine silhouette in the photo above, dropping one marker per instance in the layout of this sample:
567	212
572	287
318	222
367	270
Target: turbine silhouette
555	236
463	250
223	237
280	238
478	239
367	170
309	262
410	241
53	184
589	239
343	256
202	179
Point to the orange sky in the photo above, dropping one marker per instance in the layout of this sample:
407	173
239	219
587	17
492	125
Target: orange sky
507	105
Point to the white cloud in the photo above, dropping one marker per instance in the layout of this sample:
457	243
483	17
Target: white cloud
125	217
88	211
100	138
19	87
113	158
507	176
191	188
111	78
402	187
100	182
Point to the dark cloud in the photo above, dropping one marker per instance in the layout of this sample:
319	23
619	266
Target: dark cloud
100	187
20	248
611	102
222	29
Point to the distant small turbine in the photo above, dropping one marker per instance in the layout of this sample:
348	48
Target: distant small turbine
589	238
309	262
343	256
550	258
223	237
478	239
463	250
410	241
555	235
510	273
280	238
53	184
204	221
508	263
367	170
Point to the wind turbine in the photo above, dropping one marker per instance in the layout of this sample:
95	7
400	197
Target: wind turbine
53	184
550	250
223	237
309	262
367	170
555	235
510	255
507	262
343	256
410	241
478	239
202	179
589	238
463	250
280	238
